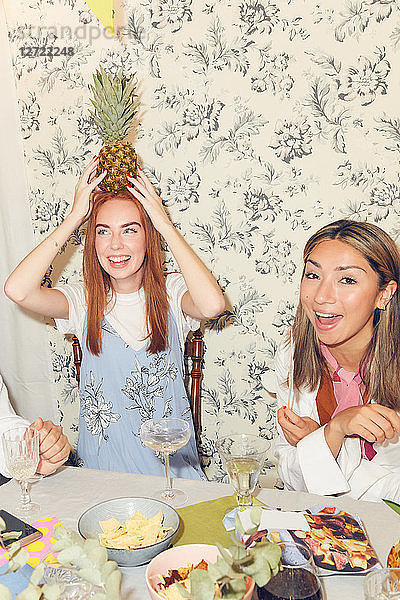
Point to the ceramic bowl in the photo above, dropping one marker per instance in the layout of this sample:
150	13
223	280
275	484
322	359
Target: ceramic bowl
122	509
183	556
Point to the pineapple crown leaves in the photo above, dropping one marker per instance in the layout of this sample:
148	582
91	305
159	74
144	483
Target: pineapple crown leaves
115	104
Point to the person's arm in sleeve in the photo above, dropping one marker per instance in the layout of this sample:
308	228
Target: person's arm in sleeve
389	488
376	479
8	420
75	295
362	479
54	447
309	465
373	482
288	464
325	473
377	424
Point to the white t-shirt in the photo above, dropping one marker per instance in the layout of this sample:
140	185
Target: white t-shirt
128	315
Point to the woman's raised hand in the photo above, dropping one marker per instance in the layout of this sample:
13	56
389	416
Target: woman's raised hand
295	428
203	299
144	191
24	285
373	422
86	184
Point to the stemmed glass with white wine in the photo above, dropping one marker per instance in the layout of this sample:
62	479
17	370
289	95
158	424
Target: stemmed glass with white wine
243	455
21	453
166	436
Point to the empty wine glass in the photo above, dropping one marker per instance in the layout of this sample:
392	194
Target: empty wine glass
71	585
382	584
243	455
297	578
166	436
21	453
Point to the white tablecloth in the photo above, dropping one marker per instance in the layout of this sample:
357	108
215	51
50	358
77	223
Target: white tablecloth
69	492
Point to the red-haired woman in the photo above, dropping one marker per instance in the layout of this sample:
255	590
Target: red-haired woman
130	318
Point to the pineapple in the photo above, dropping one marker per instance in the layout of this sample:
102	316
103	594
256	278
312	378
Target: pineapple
115	107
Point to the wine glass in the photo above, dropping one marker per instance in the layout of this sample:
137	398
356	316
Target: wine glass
166	436
71	585
297	579
21	453
382	584
243	455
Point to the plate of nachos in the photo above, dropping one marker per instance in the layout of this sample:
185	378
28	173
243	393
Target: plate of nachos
338	541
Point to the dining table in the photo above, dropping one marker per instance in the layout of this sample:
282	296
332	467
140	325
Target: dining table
71	490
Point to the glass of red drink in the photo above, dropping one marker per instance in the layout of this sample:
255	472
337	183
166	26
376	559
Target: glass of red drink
297	578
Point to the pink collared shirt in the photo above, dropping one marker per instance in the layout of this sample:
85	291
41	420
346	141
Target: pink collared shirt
346	387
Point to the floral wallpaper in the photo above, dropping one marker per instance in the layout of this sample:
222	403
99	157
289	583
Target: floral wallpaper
261	121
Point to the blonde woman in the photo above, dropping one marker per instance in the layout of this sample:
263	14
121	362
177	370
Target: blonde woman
338	411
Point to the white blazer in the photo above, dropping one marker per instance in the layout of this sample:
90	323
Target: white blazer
310	466
8	420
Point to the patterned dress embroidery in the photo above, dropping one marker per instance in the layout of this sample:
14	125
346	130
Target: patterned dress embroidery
122	388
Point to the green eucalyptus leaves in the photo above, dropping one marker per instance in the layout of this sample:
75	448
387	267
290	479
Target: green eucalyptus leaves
86	557
234	565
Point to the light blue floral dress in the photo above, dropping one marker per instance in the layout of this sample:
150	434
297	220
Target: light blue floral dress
119	390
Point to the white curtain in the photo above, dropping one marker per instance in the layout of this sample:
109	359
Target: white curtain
25	361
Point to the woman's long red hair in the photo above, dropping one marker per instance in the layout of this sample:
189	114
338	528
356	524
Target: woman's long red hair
98	286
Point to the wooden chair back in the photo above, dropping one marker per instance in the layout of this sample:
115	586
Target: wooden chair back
193	360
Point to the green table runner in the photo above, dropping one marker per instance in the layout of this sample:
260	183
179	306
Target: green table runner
202	523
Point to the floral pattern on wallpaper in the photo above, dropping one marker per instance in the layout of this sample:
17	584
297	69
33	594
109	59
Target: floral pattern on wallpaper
262	120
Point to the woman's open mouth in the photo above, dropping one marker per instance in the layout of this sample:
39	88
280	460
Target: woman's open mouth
118	262
325	321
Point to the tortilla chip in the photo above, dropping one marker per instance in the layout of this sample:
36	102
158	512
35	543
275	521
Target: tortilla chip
110	525
136	532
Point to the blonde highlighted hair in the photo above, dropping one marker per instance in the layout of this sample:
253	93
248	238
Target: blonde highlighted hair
381	363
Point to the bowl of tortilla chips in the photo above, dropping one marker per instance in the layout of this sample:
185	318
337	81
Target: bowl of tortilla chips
134	530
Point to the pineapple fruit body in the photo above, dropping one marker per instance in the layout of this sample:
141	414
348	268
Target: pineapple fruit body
119	159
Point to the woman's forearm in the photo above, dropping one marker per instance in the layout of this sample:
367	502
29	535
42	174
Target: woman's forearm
204	290
204	298
372	422
24	284
334	438
26	278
